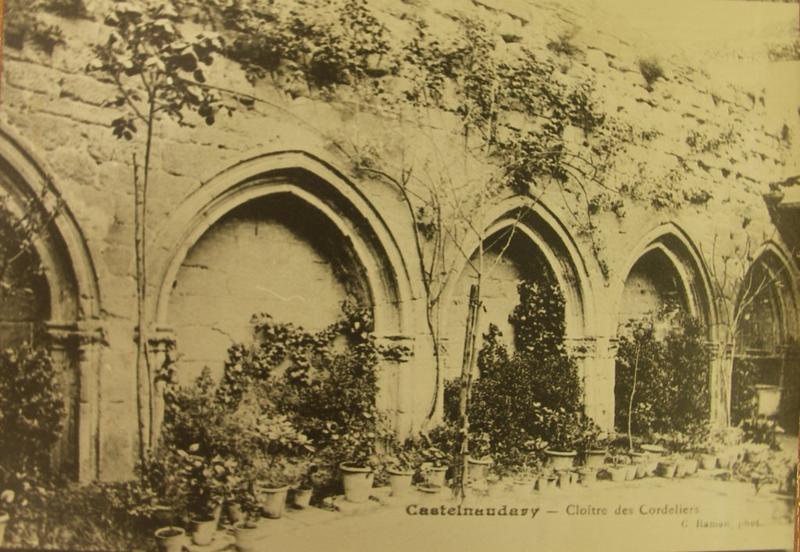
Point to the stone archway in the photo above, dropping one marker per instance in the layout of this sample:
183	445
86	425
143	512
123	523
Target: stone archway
534	245
767	336
69	301
665	274
328	235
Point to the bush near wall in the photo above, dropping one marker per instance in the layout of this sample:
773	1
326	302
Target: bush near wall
672	388
531	398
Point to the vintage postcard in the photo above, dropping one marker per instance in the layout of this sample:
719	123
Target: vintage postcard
399	275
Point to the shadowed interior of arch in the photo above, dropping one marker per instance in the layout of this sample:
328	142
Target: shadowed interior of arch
509	257
275	255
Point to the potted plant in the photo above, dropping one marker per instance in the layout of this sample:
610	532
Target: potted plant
276	474
245	530
479	461
564	432
617	467
205	480
434	466
170	539
304	489
401	467
6	498
593	444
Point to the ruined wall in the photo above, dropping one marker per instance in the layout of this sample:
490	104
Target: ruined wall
268	259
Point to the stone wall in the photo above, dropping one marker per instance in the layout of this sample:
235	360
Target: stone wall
262	212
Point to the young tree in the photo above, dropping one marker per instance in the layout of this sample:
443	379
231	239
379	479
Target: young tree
159	73
739	282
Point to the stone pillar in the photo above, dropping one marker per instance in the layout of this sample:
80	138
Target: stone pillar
595	356
76	348
160	347
396	393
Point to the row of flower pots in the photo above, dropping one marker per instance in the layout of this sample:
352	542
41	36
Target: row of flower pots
272	502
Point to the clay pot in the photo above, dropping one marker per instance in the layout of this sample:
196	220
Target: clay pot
246	534
708	461
561	460
667	469
301	498
595	459
436	475
400	481
357	482
203	529
273	500
169	539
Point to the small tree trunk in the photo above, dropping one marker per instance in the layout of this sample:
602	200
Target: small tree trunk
633	393
144	379
462	449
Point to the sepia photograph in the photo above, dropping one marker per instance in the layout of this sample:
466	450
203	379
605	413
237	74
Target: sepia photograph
401	275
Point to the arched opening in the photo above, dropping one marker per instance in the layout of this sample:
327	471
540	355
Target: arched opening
313	239
510	256
662	374
766	372
652	285
276	255
50	297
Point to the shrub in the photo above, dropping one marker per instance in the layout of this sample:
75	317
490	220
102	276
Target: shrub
532	398
671	391
31	408
744	399
651	70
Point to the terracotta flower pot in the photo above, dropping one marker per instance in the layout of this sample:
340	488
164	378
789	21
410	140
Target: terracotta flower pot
564	479
691	465
522	488
588	476
400	481
595	459
618	473
301	498
478	469
246	534
436	475
273	500
357	482
203	529
667	469
169	539
234	512
708	461
561	460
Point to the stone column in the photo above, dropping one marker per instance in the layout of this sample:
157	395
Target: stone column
161	345
595	356
76	348
396	384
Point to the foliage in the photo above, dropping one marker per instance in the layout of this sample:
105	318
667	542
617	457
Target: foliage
205	479
24	22
321	44
31	408
672	389
651	70
531	399
761	431
789	407
156	67
46	513
324	384
744	398
21	270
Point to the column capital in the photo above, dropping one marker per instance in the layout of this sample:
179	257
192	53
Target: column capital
400	347
75	334
581	347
